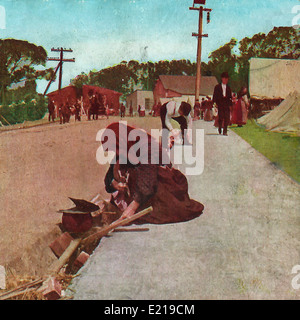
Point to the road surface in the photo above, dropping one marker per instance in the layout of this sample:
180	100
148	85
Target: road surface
244	246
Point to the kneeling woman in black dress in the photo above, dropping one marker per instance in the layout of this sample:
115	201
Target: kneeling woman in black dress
135	186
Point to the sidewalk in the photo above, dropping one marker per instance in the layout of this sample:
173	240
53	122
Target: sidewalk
244	246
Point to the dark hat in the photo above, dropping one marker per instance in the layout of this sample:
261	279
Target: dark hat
225	75
186	108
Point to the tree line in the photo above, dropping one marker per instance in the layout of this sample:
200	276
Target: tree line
233	57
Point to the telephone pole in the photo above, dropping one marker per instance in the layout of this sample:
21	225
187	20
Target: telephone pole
200	35
59	67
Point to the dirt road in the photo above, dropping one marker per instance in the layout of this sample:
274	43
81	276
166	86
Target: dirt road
39	169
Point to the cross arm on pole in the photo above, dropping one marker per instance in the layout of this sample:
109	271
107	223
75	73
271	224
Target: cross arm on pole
199	35
63	60
59	67
204	9
61	49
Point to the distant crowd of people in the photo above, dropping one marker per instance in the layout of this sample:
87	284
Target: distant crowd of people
64	111
225	108
204	111
97	107
141	110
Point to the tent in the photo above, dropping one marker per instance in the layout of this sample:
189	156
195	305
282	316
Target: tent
284	118
273	78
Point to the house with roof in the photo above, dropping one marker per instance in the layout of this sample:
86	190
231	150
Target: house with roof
142	98
72	94
182	88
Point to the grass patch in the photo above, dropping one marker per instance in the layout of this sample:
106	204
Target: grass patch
280	148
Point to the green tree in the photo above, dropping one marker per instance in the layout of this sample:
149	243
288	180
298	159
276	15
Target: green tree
223	59
281	43
80	80
115	78
32	107
233	57
128	76
18	62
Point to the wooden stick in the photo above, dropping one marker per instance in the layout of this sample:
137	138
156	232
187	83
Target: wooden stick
95	198
21	287
64	258
57	265
115	225
131	230
17	291
109	212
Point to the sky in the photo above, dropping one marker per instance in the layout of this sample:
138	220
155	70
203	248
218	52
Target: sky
105	32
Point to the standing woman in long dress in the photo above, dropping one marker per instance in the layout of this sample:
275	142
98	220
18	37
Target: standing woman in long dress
240	111
208	114
234	101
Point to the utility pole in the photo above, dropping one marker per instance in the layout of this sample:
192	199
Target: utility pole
200	35
59	67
